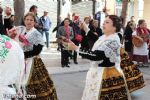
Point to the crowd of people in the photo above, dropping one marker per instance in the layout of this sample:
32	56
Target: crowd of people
112	76
85	33
137	41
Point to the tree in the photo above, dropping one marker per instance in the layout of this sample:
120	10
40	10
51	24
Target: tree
19	9
124	10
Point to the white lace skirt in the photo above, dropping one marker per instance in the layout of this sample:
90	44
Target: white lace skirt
103	83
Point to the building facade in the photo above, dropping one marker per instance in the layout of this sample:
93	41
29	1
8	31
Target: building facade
137	8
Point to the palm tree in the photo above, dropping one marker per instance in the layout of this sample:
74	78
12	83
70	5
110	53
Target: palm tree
19	9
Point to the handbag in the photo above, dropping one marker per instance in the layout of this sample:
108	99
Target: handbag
78	37
137	41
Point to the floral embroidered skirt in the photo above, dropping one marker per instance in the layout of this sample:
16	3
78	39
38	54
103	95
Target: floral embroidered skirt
133	75
40	83
105	83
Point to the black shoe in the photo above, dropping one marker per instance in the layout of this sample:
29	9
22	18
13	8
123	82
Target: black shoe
75	62
82	57
139	65
58	49
62	66
145	65
67	66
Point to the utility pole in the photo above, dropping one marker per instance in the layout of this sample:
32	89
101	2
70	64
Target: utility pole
58	10
93	8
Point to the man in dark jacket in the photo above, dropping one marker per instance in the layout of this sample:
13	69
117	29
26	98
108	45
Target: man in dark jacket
94	33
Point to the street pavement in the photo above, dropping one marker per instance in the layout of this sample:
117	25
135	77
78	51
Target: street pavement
69	82
52	60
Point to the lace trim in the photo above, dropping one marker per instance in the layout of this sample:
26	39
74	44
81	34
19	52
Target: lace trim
34	38
111	50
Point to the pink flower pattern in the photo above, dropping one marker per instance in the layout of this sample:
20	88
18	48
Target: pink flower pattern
8	45
5	46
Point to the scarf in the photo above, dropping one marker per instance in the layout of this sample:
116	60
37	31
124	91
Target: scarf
67	29
142	31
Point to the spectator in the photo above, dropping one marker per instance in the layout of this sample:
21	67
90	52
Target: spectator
84	31
34	10
65	34
76	31
140	52
130	28
94	33
8	18
56	29
46	25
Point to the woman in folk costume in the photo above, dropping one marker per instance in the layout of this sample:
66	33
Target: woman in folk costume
11	67
36	79
133	75
140	50
105	79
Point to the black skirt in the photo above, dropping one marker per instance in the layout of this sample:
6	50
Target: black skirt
133	75
40	83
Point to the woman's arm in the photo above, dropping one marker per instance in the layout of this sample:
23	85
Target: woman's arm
93	55
36	51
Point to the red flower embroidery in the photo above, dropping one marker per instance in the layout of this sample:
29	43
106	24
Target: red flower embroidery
8	45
